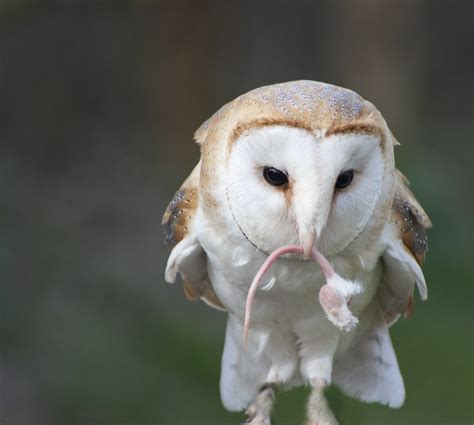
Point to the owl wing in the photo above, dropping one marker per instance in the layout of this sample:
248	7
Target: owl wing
406	238
187	257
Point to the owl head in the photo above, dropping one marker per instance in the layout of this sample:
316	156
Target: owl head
298	163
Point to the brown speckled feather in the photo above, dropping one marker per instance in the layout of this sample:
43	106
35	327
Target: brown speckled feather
410	218
405	253
178	216
177	224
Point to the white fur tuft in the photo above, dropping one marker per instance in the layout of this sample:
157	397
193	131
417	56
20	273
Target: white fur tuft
345	287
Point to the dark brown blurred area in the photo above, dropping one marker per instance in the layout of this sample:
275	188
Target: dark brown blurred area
98	105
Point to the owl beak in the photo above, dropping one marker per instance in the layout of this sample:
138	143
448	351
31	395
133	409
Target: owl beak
308	243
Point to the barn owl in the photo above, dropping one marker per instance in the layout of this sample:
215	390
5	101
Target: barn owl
291	173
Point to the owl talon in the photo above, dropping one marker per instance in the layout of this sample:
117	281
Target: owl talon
258	413
258	420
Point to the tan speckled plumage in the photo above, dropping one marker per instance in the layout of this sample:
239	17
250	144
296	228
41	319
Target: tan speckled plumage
180	212
410	218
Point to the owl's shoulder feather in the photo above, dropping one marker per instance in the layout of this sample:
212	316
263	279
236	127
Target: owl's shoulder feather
407	243
188	258
180	212
410	219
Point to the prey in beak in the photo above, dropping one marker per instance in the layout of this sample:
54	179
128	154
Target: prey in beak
334	296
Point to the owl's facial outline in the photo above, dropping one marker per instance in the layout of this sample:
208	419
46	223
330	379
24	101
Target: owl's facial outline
320	187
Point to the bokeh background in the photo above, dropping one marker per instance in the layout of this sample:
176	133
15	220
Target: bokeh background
98	104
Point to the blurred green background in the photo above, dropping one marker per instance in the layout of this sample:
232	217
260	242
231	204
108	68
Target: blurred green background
98	104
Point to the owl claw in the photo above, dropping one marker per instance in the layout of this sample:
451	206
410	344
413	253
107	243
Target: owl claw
258	412
258	420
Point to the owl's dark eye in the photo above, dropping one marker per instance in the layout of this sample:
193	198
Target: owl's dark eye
344	179
274	177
